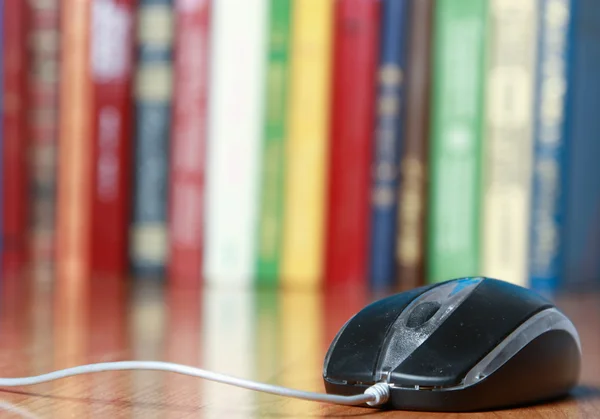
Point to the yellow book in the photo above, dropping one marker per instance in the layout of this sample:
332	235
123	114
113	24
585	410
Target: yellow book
306	148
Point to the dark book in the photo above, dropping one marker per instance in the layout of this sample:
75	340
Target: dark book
581	262
565	213
153	96
388	142
412	195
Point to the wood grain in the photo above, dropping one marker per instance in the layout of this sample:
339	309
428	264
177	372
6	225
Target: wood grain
275	337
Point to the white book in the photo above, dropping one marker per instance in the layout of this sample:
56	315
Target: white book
508	139
237	74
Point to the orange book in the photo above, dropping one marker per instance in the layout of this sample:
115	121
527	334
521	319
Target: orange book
75	144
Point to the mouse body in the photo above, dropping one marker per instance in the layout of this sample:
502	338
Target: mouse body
462	345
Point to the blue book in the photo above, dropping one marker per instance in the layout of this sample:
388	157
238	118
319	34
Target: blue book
388	138
565	213
153	96
581	235
547	204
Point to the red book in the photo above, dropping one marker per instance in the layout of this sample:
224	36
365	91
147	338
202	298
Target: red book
111	73
186	180
356	43
14	155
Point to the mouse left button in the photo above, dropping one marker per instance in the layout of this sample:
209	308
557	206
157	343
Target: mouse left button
352	356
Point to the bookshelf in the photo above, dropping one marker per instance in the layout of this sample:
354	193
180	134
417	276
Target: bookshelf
378	143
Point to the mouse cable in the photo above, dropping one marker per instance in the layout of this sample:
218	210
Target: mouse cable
374	395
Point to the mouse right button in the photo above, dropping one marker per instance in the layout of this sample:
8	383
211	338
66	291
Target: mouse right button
492	311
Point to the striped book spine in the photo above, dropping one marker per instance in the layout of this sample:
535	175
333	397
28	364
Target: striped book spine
44	43
153	96
237	68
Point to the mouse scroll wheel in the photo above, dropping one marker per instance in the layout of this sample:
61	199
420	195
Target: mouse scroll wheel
422	313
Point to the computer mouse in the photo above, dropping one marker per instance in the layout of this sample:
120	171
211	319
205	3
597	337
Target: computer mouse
467	344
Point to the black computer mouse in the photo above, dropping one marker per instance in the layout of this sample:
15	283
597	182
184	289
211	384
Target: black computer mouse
463	345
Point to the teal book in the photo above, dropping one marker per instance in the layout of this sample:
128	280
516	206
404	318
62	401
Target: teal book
153	95
273	160
453	248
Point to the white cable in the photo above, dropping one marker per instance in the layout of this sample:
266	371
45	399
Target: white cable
375	395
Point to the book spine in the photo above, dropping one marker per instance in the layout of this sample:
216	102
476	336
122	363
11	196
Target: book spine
238	42
388	138
307	144
44	43
153	98
111	73
270	223
75	145
509	139
582	216
186	180
548	199
14	113
1	133
412	195
455	149
355	56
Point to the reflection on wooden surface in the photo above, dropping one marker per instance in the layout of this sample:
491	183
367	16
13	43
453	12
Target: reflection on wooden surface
269	336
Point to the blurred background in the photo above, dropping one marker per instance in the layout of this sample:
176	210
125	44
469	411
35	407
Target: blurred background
181	178
369	145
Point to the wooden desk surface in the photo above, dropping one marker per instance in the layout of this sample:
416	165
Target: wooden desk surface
276	338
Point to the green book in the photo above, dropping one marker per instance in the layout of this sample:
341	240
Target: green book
453	248
272	175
